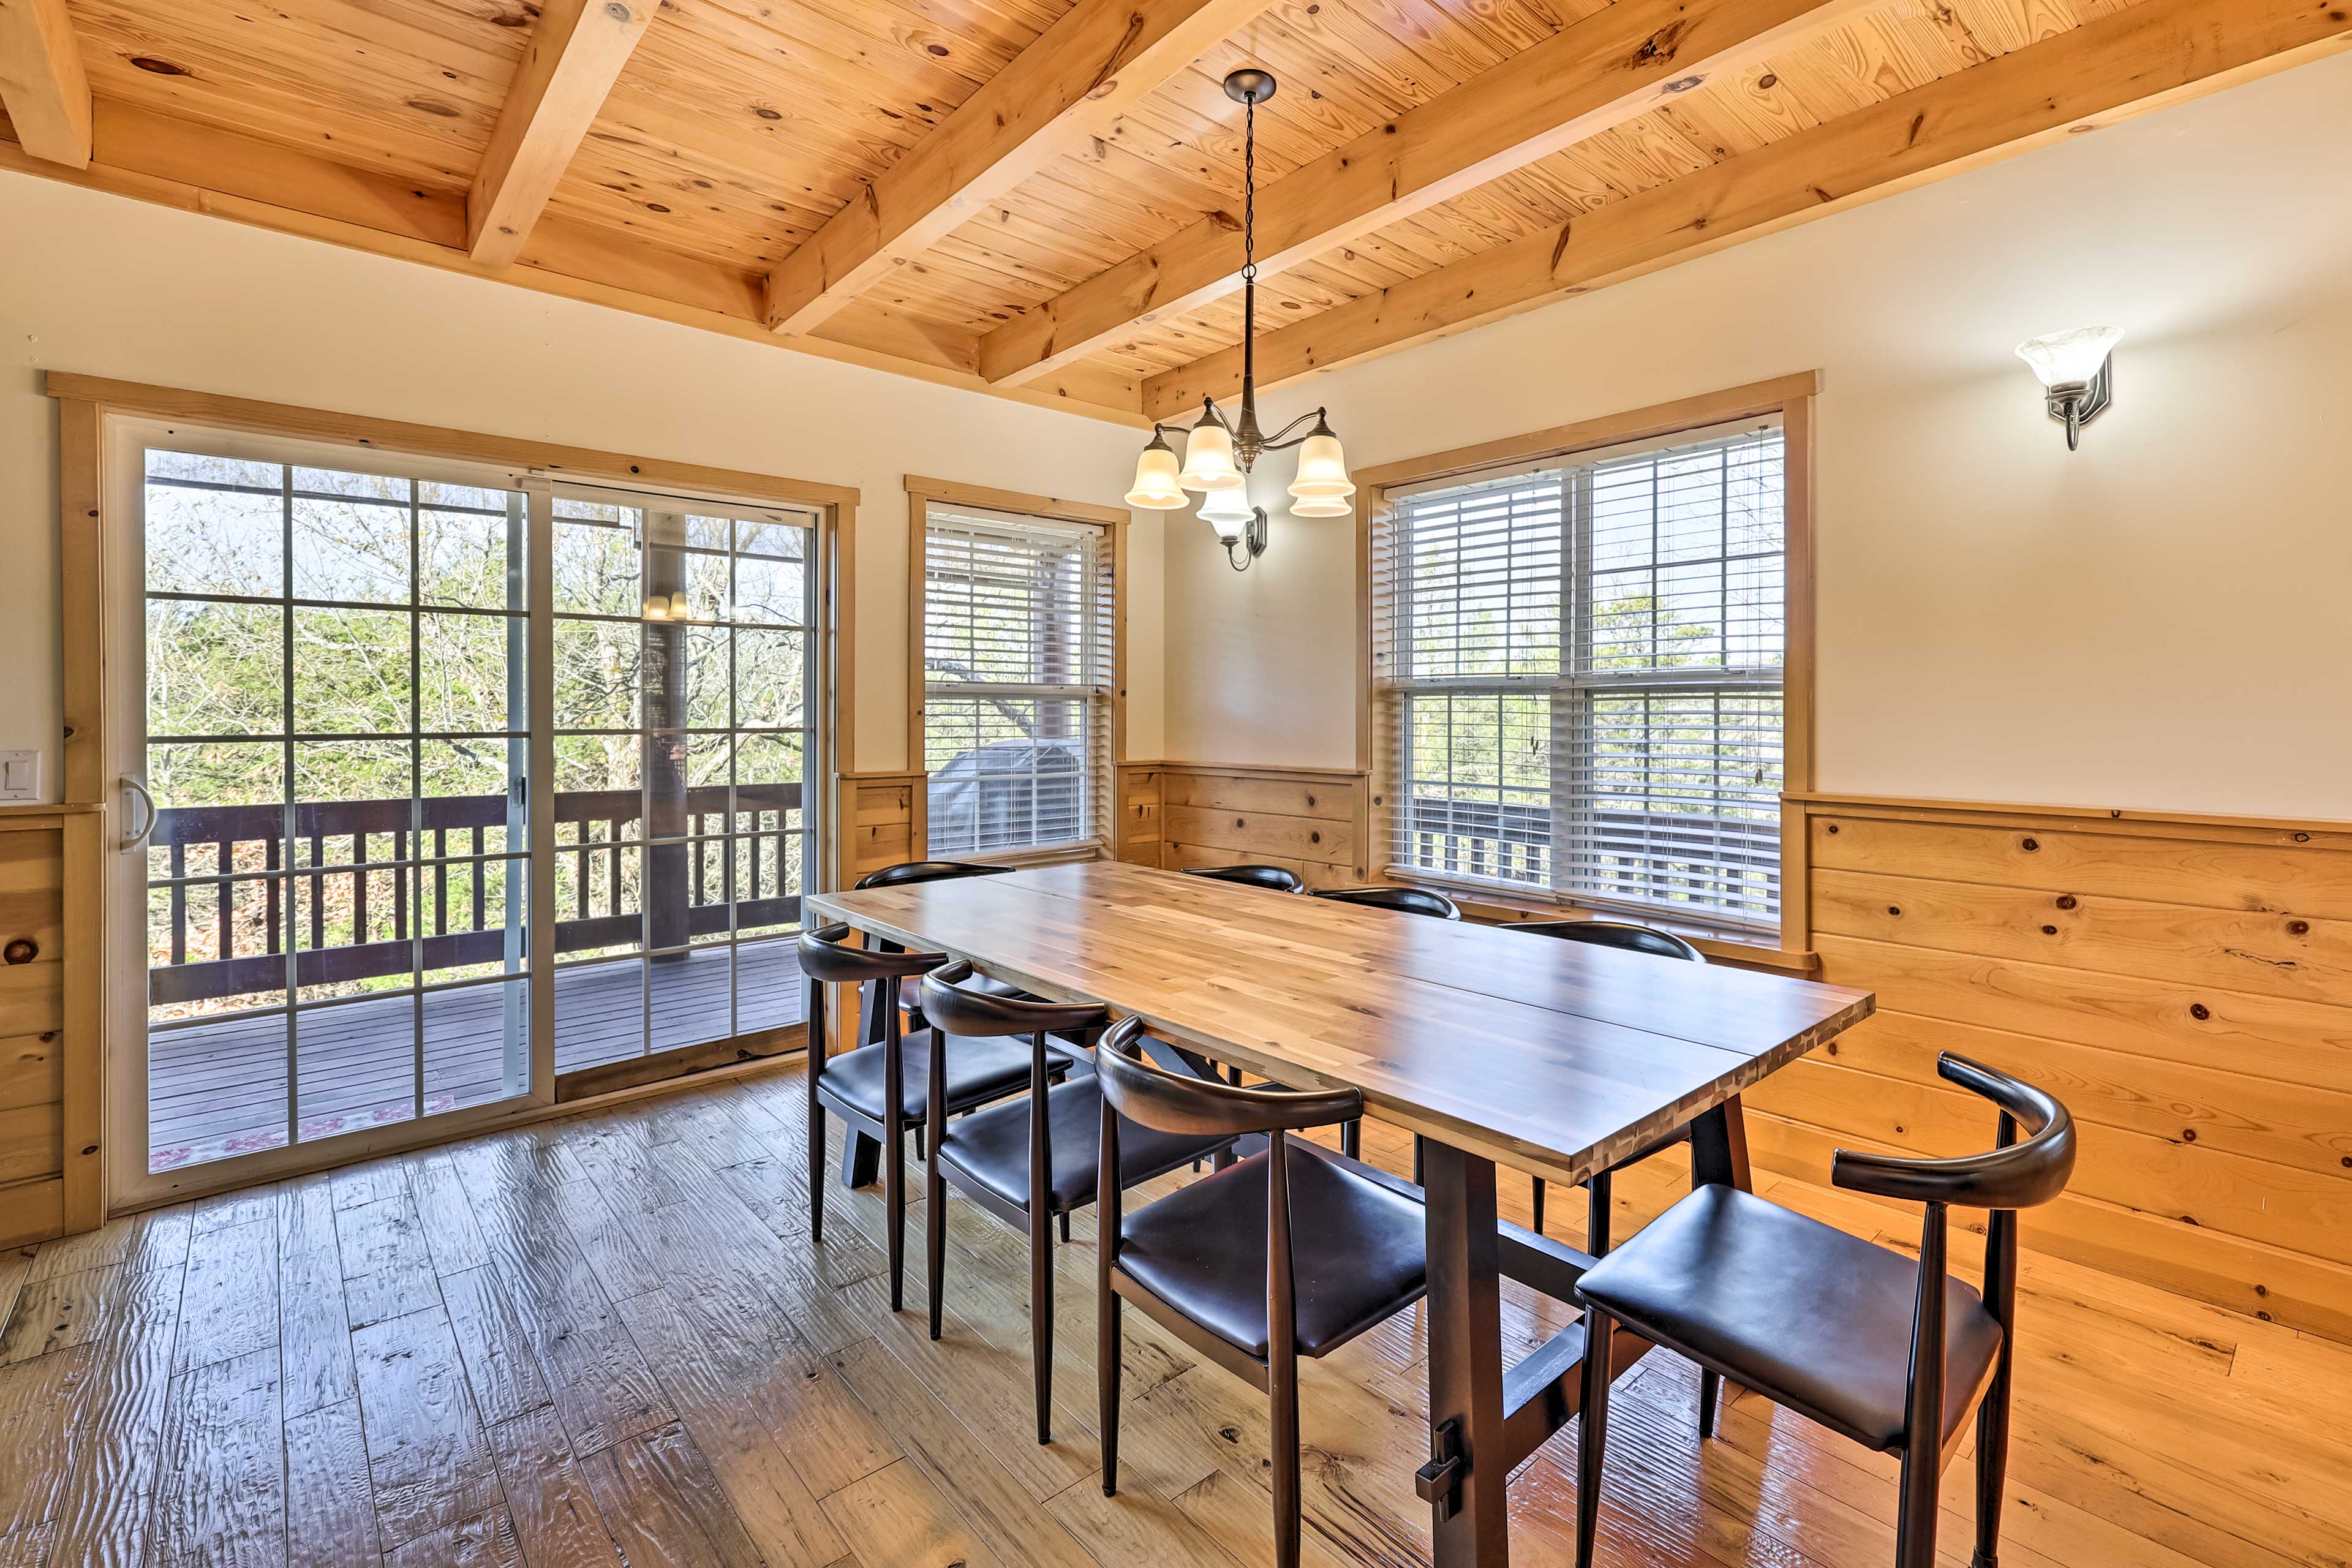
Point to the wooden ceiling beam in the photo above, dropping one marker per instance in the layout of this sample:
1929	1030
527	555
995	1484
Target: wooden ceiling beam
1598	73
2156	53
576	54
1074	82
42	83
200	168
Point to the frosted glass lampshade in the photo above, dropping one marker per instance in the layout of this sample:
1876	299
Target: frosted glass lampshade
2070	359
1323	506
1229	513
657	606
1322	472
681	609
1209	459
1156	487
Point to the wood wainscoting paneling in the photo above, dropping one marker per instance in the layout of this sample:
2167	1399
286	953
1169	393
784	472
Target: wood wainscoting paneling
50	1033
881	822
1311	821
2184	983
1136	839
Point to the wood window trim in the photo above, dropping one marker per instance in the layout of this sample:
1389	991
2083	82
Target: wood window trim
85	403
1789	396
920	492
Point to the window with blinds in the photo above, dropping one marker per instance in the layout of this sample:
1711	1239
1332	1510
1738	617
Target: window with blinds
1017	682
1576	672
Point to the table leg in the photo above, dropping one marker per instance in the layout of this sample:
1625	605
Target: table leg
1720	1147
1470	1527
1719	1156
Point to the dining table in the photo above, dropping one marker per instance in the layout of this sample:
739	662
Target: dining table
1559	1059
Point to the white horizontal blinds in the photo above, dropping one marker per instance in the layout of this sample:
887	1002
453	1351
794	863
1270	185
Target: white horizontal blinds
1579	667
1017	672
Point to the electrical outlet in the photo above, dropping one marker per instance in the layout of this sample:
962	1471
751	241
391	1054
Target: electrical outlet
20	775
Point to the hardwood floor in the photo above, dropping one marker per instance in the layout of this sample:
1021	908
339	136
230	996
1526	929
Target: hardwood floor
606	1340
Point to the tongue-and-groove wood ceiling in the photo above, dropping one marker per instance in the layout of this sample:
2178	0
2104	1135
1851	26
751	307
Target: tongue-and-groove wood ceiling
1042	199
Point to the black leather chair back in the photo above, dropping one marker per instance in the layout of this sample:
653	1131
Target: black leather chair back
956	1011
1406	900
908	871
2013	1175
1614	933
1274	879
1149	1094
826	957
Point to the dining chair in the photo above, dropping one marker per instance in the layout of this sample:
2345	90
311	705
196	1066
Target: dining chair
1404	901
1029	1162
880	1090
1891	1353
907	873
1276	879
1292	1252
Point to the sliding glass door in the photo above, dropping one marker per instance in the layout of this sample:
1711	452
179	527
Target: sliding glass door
683	732
391	711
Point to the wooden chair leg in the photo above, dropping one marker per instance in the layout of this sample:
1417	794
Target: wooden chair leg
1351	1139
1285	1459
1106	1372
1710	1396
1539	1205
894	1204
1592	1436
1065	1228
1041	1313
935	1236
1914	1528
1992	1467
1418	1150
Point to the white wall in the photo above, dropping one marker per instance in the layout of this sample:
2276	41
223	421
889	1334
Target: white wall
116	288
2163	619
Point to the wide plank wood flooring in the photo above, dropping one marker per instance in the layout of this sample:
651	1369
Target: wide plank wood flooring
607	1340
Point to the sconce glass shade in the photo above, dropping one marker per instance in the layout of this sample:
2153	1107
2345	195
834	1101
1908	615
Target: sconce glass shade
2070	359
656	607
1209	459
1322	470
1156	487
1229	513
1323	506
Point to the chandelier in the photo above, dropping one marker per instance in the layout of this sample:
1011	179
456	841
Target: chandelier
1219	453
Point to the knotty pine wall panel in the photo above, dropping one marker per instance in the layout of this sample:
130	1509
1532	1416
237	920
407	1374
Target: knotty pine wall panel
2183	983
32	1025
1313	823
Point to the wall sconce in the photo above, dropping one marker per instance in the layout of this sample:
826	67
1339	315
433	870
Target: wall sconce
1241	527
2077	374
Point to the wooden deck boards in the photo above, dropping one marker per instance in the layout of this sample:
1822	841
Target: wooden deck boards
616	1337
220	1089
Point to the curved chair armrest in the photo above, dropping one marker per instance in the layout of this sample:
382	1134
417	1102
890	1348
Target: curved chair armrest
2015	1175
1149	1094
960	1012
824	957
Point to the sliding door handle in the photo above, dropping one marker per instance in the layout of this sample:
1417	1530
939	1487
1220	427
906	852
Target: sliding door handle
130	787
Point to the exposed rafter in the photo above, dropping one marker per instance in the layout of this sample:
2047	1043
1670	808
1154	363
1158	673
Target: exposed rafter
199	168
1611	67
576	54
1074	82
2158	52
42	83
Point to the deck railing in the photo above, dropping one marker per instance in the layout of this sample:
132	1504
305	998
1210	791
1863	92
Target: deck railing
1627	853
248	844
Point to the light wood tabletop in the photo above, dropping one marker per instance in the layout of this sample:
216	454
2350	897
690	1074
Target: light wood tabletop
1556	1058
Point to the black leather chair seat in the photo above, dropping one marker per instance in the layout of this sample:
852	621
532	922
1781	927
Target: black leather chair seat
993	1147
1357	1247
1799	1310
978	1071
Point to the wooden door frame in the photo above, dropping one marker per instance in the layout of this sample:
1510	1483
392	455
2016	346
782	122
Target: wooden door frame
95	644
